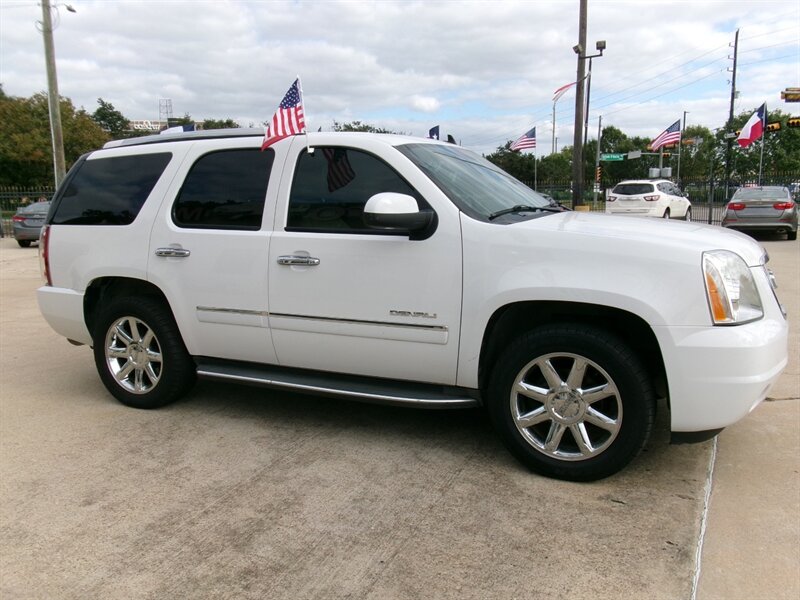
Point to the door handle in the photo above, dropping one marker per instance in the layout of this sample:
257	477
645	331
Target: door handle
173	252
308	261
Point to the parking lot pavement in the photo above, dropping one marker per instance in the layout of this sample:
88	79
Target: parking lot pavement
239	492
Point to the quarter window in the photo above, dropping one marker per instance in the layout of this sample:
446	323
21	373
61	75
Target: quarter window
109	191
332	185
225	190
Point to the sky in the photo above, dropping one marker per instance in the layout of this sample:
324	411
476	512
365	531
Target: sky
485	72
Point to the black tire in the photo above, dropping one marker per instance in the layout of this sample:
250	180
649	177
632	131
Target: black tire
665	215
791	235
688	215
625	410
24	243
139	353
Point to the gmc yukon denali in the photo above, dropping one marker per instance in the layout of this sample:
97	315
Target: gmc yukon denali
411	272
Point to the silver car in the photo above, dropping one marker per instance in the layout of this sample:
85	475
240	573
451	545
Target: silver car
766	208
28	221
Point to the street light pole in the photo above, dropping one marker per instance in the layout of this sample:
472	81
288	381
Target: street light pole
53	103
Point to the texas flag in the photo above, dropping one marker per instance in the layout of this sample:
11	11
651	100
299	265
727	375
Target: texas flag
754	128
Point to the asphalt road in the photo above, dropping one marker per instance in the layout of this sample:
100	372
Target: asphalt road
237	492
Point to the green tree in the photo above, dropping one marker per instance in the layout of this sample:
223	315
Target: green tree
26	155
110	119
359	126
220	124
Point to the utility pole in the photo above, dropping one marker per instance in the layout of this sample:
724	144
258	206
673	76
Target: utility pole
597	160
728	133
53	104
577	143
680	144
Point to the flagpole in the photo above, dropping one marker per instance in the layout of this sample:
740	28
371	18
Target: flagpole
553	146
763	137
534	169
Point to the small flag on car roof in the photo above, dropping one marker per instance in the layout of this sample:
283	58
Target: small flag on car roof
288	119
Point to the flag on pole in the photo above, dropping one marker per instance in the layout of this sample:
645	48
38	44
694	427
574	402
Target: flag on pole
433	133
288	119
565	88
754	128
670	135
526	140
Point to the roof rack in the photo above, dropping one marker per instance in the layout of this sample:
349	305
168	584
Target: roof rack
188	136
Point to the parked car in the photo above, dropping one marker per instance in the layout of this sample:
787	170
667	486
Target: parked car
649	198
27	222
413	272
766	208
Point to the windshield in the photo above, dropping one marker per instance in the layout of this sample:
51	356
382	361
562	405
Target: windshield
767	193
475	185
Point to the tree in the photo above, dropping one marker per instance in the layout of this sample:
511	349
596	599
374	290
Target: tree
26	151
359	126
220	124
110	119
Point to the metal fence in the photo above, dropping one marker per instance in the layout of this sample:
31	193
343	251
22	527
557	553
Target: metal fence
11	198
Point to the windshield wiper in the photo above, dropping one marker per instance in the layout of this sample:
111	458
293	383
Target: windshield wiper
522	208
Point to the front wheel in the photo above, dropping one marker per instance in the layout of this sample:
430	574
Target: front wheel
139	353
666	214
688	215
571	402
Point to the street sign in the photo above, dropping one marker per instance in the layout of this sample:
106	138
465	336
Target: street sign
614	156
635	154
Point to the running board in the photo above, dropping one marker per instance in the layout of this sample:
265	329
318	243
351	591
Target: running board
363	389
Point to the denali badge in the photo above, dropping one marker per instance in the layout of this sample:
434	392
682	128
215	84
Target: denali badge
412	313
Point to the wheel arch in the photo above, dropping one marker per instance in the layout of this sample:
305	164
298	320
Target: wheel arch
102	289
511	320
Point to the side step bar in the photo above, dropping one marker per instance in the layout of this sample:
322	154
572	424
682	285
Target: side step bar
364	389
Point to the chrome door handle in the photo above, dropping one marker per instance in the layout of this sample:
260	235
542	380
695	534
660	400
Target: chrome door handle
173	252
308	261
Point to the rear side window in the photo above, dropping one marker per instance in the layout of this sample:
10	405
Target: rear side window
110	191
225	190
633	189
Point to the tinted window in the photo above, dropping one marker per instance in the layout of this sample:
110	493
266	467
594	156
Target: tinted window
332	185
225	190
633	189
110	191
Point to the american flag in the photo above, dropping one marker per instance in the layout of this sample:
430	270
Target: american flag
340	171
526	140
670	135
288	119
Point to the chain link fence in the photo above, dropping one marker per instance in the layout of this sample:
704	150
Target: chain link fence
11	198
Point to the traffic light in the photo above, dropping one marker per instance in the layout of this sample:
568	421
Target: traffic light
793	122
598	173
774	126
667	154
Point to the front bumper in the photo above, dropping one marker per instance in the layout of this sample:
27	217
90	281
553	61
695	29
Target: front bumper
717	375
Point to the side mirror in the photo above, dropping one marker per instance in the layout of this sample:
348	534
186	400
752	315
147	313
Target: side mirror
392	211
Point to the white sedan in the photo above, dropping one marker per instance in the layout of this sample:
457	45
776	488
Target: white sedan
649	198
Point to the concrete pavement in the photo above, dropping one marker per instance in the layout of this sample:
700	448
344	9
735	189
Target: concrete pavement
237	492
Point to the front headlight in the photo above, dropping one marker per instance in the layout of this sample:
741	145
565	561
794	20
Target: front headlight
731	290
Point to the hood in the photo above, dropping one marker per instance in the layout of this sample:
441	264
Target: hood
666	233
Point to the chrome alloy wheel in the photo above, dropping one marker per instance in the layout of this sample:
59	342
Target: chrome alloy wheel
133	355
566	406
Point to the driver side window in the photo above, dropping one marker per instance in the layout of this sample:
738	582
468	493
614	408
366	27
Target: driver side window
332	185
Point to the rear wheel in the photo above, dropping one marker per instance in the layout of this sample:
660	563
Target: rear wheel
571	402
791	235
139	353
666	214
24	243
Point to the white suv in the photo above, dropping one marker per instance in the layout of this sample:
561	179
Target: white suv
649	198
411	272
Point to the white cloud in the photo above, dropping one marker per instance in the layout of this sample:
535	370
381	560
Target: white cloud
485	71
